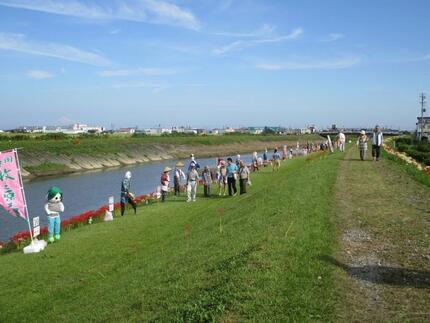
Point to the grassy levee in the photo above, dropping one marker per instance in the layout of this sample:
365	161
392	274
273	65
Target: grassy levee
102	144
170	262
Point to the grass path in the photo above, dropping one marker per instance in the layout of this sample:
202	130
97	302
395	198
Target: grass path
383	261
171	263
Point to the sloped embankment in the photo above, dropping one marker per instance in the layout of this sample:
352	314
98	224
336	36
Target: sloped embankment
42	163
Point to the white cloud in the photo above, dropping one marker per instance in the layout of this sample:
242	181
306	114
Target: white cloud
152	11
265	31
154	87
312	64
333	37
115	31
241	44
149	71
39	75
19	43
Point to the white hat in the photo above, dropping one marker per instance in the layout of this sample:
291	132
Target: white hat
128	175
363	132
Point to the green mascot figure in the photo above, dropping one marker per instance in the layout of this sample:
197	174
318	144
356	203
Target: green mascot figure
53	207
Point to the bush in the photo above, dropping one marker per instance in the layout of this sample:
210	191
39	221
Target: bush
420	151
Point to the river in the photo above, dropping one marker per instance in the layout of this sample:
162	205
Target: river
88	191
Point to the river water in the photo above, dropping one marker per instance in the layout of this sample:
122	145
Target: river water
88	191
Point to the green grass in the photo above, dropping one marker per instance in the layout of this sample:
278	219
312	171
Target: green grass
97	145
172	263
418	175
46	168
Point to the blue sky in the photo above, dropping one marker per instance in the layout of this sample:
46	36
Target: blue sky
213	62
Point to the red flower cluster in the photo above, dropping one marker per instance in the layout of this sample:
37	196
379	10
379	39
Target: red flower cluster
75	220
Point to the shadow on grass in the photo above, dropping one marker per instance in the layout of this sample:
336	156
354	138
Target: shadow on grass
395	276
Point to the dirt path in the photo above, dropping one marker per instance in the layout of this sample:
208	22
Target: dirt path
383	227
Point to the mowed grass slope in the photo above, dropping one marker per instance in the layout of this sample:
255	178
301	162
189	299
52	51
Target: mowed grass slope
170	262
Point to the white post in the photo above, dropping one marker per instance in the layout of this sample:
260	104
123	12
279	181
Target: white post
23	194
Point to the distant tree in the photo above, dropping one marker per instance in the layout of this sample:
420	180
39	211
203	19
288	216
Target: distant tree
268	131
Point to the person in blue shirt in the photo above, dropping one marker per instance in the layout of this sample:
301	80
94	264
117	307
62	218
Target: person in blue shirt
232	170
276	160
265	158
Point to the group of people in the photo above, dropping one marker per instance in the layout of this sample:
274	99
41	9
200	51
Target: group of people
377	142
377	139
227	174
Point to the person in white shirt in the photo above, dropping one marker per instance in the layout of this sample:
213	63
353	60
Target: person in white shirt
377	141
342	140
192	182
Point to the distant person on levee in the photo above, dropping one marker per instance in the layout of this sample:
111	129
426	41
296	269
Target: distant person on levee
377	141
276	160
126	195
342	140
193	163
362	144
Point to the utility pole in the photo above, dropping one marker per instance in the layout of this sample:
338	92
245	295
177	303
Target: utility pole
423	109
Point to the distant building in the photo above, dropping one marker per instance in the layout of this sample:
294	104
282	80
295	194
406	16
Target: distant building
229	130
158	131
425	128
126	131
84	128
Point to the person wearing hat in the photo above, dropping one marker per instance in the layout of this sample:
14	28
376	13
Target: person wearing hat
362	144
377	141
192	182
165	180
194	163
177	176
126	195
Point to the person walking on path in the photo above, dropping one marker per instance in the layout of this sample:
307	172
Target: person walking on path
276	160
126	195
377	141
178	175
192	182
243	177
207	181
342	140
165	180
231	177
362	144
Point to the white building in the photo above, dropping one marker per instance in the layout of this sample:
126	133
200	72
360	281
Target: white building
84	128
